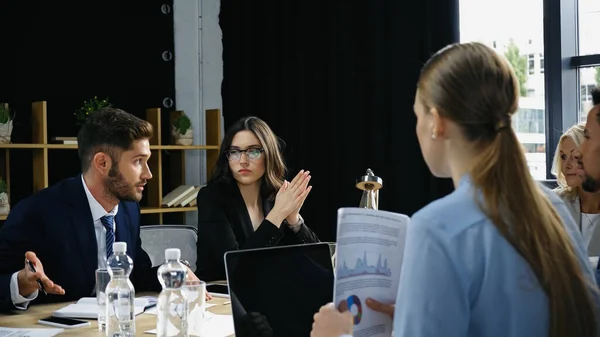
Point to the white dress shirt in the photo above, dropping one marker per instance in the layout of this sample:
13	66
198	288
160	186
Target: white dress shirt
588	225
98	212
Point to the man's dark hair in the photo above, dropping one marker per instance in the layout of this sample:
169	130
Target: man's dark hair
596	96
111	131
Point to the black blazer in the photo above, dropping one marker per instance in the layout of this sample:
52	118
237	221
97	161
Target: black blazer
56	223
224	225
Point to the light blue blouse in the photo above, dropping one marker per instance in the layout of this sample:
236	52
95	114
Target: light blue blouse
460	277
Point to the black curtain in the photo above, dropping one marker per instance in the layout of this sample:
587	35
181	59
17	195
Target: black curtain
68	52
336	81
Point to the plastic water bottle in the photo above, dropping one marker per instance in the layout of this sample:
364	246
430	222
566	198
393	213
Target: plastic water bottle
171	319
120	294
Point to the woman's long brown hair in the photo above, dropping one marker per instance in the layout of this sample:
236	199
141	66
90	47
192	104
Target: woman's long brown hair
476	88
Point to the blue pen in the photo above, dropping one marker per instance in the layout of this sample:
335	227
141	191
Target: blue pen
38	281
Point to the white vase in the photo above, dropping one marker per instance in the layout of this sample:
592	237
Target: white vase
185	139
5	132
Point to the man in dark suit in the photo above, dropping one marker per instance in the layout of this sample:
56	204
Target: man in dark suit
71	226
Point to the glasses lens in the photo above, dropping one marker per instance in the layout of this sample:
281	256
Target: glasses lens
233	155
254	154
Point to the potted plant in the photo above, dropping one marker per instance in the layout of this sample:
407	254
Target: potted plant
181	130
6	123
89	107
4	203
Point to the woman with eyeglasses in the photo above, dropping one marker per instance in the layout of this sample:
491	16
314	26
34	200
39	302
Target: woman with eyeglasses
248	203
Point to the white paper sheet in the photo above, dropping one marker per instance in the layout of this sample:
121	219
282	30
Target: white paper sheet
152	311
14	332
369	250
214	325
87	307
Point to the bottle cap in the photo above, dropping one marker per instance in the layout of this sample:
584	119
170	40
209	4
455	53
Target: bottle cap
172	253
120	247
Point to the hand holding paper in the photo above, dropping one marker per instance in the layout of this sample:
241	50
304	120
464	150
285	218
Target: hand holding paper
331	322
370	247
387	309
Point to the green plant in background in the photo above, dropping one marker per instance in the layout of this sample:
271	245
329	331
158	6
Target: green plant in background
183	124
3	186
6	114
89	107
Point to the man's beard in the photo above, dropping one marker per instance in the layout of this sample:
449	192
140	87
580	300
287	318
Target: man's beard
118	188
590	184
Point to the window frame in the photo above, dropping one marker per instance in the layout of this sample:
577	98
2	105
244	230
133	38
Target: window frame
562	62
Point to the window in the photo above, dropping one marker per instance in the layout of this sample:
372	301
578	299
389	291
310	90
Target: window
588	59
519	39
588	19
531	64
571	34
587	82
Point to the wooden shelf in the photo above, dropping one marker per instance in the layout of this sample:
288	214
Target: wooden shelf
31	146
161	164
184	147
74	147
154	210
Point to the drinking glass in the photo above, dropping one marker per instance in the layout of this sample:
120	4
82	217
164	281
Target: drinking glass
102	280
195	294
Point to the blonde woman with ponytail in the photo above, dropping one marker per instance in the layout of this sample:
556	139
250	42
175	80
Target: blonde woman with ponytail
500	256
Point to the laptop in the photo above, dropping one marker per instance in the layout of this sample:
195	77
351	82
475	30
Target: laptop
276	291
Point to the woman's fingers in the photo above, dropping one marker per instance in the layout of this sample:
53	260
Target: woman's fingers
301	183
297	178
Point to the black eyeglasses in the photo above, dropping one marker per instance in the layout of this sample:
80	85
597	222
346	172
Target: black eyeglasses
252	154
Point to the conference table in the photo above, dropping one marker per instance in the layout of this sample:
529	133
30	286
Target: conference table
143	322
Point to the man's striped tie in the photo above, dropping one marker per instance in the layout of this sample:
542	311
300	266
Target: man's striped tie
108	221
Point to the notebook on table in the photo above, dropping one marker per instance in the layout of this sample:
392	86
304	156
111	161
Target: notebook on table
87	307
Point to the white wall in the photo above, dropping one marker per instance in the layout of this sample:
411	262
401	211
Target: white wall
198	75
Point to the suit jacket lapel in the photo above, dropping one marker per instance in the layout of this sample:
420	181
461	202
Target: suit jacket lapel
267	206
241	212
122	222
82	224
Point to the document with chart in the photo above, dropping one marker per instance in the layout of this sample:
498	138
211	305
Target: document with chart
369	251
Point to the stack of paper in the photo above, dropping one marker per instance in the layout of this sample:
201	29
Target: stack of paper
87	307
14	332
369	249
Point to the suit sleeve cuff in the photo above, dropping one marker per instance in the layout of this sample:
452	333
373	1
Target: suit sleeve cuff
269	232
19	301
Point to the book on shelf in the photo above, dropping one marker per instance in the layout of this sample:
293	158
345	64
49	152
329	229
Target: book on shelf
64	140
174	197
188	198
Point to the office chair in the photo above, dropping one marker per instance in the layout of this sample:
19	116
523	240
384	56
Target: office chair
157	238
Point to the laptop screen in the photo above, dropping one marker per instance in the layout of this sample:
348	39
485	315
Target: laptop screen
279	289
